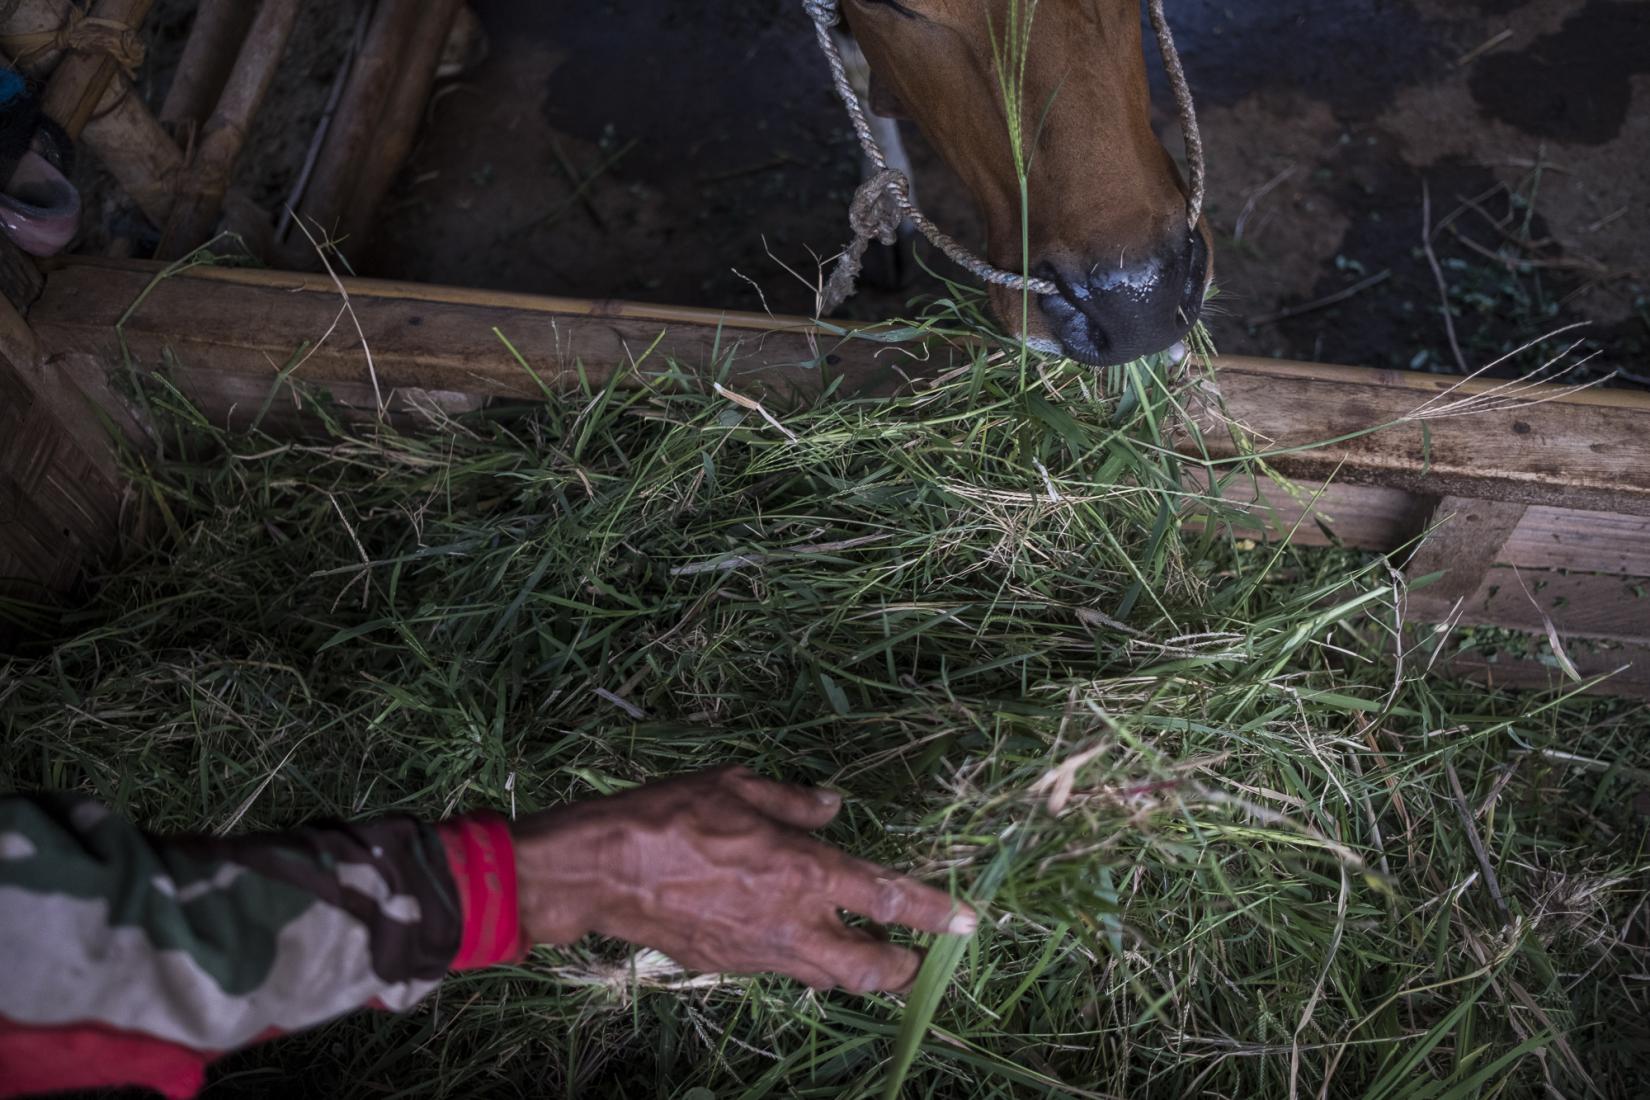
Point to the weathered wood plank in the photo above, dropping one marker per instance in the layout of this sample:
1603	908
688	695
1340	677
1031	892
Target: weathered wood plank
238	399
1308	513
1372	517
252	322
1580	605
1627	667
1587	542
1588	449
1582	450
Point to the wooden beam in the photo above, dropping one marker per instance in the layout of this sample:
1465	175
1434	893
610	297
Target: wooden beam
1580	605
1588	449
1627	667
1559	449
1586	542
1308	513
249	324
1373	517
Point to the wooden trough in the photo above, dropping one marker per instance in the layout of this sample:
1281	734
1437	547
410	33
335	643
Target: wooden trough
1535	511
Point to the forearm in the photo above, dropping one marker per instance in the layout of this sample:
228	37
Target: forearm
131	958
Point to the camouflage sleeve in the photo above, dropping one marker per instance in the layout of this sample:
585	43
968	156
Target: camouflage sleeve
134	959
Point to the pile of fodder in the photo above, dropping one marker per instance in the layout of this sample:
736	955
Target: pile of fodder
1222	846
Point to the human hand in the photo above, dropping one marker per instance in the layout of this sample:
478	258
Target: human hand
716	870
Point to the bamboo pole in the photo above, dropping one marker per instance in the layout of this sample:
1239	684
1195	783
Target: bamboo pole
121	133
131	143
81	80
32	32
201	195
403	117
208	58
353	135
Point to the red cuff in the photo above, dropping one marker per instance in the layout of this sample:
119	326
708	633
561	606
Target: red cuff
90	1056
482	858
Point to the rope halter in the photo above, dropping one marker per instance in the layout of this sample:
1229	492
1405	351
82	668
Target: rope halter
884	200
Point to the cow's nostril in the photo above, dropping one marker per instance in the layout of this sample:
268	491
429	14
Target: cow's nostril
1114	310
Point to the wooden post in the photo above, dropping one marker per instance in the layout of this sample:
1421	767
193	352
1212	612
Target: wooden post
121	133
208	57
1466	541
353	137
195	213
82	79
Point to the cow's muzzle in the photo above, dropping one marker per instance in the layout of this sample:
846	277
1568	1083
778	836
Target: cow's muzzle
1111	313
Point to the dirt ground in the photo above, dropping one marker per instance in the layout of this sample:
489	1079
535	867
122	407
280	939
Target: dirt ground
690	153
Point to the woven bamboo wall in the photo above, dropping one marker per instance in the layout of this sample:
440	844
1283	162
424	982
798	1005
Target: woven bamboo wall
59	494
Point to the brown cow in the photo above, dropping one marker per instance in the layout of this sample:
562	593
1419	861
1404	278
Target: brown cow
1108	220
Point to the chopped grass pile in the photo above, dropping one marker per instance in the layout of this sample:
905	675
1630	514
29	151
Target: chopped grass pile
1225	844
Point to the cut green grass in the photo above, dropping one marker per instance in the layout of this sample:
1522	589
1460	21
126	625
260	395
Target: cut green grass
1207	817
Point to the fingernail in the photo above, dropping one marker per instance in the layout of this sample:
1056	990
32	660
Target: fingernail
827	798
964	923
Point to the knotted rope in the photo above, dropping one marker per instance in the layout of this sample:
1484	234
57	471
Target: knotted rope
82	33
873	215
884	199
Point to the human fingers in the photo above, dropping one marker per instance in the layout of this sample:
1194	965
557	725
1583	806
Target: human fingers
888	897
803	966
799	807
860	963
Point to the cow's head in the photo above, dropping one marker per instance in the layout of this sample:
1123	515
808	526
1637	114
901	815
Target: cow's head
1107	210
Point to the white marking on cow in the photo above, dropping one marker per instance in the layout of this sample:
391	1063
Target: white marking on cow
885	130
